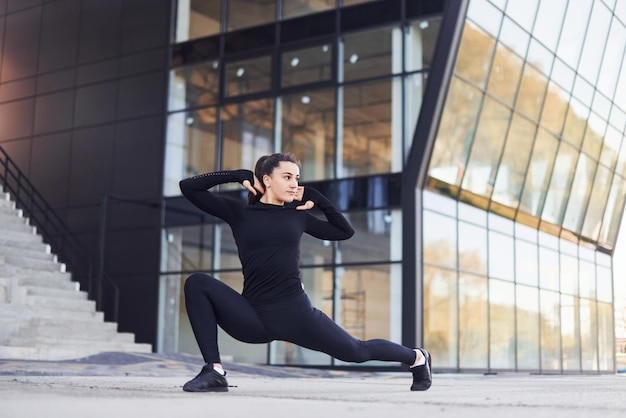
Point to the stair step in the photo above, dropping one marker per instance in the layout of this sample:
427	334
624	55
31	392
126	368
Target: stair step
63	335
30	246
16	225
31	263
61	303
52	282
40	253
55	292
20	236
28	312
68	352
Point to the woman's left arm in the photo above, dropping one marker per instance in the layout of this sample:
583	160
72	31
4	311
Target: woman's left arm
335	228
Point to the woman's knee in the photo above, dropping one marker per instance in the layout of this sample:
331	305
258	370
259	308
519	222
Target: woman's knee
196	281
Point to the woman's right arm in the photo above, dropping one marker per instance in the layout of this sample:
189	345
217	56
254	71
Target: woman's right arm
196	190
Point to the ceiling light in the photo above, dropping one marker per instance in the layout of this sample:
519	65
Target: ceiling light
305	99
295	61
240	72
424	24
354	58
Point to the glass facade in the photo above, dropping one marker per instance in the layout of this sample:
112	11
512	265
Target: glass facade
531	139
524	189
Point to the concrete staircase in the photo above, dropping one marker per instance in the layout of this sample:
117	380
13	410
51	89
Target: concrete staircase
43	314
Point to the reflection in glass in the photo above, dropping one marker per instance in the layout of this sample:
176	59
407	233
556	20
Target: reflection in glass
440	315
197	19
558	192
307	65
527	326
569	274
579	196
570	335
587	279
308	131
441	204
531	91
480	174
505	75
368	143
474	53
314	251
547	25
247	133
472	248
189	248
248	76
439	239
370	54
420	41
540	57
514	162
550	331
294	8
473	327
606	332
523	12
612	59
485	15
538	173
614	211
377	237
193	86
593	49
575	122
501	262
501	325
588	335
514	37
610	147
605	284
244	14
554	108
573	33
597	203
455	133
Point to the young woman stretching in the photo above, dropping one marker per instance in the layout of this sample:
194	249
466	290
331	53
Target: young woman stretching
273	304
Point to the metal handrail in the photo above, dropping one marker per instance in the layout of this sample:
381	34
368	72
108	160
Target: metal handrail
52	228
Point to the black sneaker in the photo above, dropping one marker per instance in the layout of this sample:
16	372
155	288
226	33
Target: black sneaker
422	375
208	380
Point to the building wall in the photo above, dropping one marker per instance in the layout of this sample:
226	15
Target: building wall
82	100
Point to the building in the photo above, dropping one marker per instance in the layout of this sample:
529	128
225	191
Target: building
475	145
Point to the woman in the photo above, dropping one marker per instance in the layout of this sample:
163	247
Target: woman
273	304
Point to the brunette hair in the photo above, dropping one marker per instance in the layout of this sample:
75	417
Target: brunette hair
266	165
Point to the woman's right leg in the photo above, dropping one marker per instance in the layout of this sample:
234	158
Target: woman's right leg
211	303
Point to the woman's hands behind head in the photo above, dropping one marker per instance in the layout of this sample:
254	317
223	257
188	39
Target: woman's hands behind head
254	189
298	196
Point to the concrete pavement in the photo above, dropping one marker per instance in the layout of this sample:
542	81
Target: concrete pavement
122	385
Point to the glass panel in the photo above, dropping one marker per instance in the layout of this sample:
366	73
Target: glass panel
594	135
605	284
454	137
514	37
614	211
501	325
523	12
248	76
588	335
540	57
374	238
472	248
597	203
514	162
548	269
318	283
307	65
420	42
414	87
231	348
554	108
570	333
475	52
247	133
531	91
244	14
197	19
575	122
439	239
505	74
579	196
439	203
573	34
548	22
472	214
487	148
308	131
194	86
538	172
314	251
189	248
606	332
294	8
527	324
593	49
610	148
560	182
526	263
569	274
587	279
473	316
370	54
550	331
486	15
501	262
563	75
367	133
440	315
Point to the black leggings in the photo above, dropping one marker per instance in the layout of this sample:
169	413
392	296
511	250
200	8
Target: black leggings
211	303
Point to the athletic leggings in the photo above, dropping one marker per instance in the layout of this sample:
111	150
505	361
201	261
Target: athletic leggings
211	303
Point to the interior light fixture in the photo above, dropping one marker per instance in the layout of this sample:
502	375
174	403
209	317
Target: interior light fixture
353	58
295	61
190	120
325	48
240	72
305	99
424	24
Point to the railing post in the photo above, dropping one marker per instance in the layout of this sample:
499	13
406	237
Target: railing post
103	227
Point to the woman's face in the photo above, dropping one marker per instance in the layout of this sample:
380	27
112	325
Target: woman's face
281	185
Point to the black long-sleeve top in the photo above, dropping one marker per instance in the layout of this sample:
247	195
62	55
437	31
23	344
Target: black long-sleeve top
267	236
